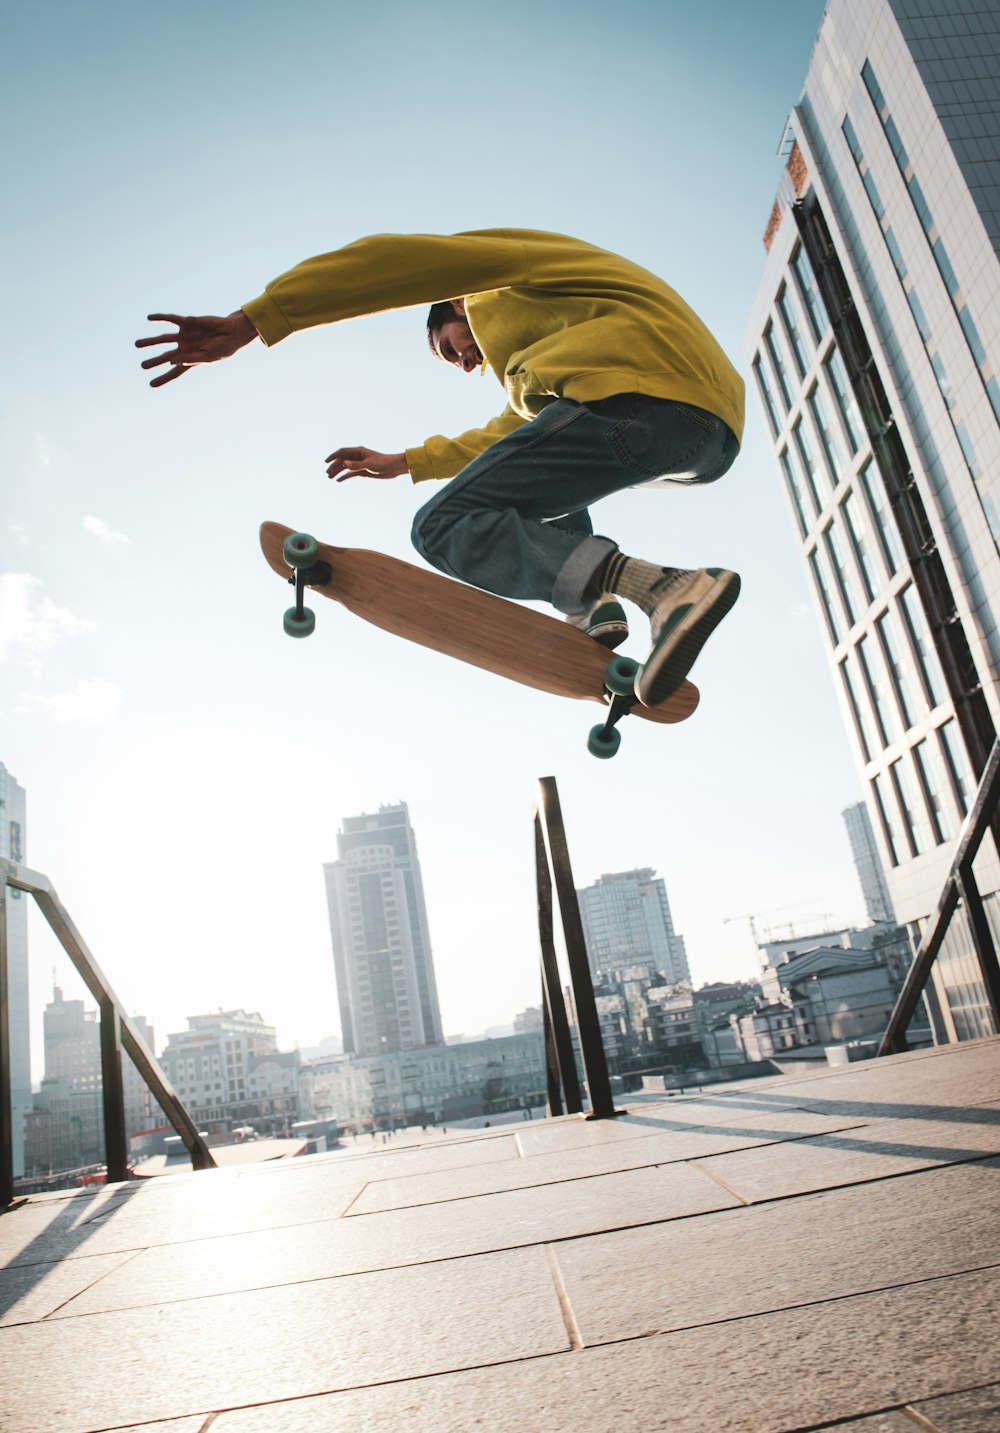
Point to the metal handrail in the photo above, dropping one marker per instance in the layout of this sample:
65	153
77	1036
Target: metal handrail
959	886
552	860
117	1033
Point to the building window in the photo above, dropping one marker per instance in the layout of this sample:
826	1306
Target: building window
793	330
846	404
956	757
857	527
873	670
928	663
794	491
900	668
940	802
781	372
885	524
845	580
815	474
809	290
826	603
828	437
885	805
914	816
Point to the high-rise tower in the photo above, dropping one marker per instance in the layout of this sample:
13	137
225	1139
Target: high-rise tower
381	942
626	921
874	343
868	863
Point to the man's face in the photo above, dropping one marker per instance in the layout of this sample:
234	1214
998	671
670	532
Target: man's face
454	343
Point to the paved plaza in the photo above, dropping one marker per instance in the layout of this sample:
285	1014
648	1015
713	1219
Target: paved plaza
802	1252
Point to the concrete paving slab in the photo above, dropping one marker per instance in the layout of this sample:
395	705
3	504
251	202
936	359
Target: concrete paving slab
403	1237
110	1370
770	1374
437	1153
873	1151
568	1164
33	1291
744	1262
976	1411
197	1424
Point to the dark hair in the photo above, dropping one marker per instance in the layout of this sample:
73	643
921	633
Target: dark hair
439	314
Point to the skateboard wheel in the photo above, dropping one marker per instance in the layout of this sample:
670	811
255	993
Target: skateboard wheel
620	677
297	625
603	744
300	550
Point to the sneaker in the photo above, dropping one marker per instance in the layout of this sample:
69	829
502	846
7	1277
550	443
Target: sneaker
687	612
604	620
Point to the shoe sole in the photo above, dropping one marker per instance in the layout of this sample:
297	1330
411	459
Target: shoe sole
676	650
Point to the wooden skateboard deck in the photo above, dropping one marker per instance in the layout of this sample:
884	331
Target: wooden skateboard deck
475	627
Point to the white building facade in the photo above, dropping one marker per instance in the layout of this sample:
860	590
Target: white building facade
874	344
13	838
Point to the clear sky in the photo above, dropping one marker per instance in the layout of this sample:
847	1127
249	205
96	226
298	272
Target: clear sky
187	766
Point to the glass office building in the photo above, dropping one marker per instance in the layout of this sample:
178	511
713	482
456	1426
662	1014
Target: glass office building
874	349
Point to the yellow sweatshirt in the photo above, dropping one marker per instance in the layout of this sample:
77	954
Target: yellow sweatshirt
554	317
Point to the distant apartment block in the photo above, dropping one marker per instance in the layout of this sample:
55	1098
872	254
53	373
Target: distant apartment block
13	839
226	1068
65	1127
381	940
874	344
627	922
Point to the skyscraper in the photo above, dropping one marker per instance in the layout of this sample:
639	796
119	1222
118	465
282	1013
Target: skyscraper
868	863
12	845
626	921
874	342
381	942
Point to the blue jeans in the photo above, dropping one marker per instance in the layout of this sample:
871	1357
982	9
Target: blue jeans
515	521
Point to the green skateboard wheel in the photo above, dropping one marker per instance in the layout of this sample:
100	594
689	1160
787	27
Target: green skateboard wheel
603	744
300	550
620	676
297	625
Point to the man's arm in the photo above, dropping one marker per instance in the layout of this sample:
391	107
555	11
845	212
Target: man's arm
197	340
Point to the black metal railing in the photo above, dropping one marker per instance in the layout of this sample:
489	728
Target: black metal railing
959	887
117	1034
552	866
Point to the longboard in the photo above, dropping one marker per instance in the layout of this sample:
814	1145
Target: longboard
463	622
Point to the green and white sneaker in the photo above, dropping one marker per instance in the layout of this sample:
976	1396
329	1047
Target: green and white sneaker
604	620
687	611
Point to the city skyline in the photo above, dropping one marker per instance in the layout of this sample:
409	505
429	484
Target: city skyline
186	763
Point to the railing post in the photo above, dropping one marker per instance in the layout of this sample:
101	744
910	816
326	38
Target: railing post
588	1026
6	1090
113	1096
960	882
117	1031
560	1061
982	937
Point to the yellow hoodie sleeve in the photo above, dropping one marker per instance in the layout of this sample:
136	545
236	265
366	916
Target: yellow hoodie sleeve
387	271
444	457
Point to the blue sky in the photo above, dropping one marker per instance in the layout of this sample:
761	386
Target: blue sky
187	766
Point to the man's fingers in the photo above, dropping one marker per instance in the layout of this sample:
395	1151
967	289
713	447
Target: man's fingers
347	455
156	338
167	377
159	358
165	318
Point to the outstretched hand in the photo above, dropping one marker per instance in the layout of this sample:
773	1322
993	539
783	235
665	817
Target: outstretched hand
364	463
197	340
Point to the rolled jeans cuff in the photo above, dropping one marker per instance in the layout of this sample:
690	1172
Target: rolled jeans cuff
577	571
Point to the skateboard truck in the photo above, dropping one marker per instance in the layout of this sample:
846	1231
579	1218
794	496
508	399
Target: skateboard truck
300	552
619	683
